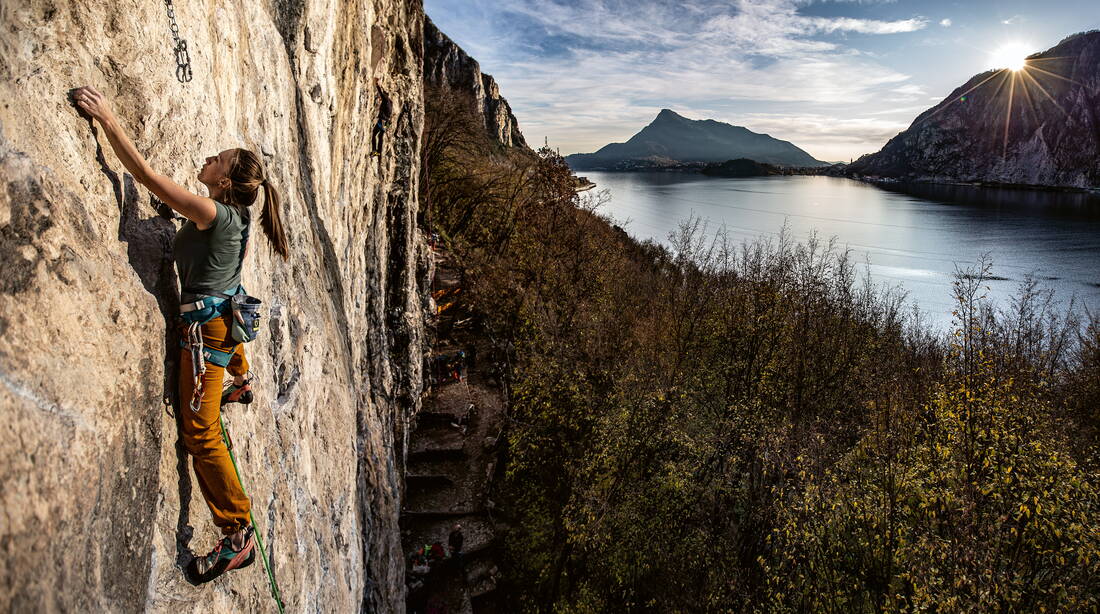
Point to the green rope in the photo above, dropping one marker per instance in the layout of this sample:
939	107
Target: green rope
256	531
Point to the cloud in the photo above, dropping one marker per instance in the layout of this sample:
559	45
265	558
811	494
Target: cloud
912	111
910	92
592	71
828	137
817	128
945	23
1011	21
910	89
868	26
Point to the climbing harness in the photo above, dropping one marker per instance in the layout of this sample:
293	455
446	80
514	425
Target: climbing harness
183	59
197	313
259	539
194	315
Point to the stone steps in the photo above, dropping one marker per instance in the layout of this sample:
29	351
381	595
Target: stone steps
481	575
449	466
427	515
449	469
477	531
448	496
487	602
435	454
427	480
439	434
426	419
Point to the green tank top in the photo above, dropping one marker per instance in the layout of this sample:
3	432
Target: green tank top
211	259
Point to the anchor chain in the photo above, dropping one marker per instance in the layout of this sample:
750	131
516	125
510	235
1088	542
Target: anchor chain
183	58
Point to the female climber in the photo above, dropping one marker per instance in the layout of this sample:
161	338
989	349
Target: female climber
209	251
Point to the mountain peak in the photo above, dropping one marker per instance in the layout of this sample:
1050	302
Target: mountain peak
668	114
672	139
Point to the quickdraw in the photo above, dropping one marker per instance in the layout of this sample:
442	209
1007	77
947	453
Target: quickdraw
198	362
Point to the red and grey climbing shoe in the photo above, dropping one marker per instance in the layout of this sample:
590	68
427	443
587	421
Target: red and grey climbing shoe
233	393
224	557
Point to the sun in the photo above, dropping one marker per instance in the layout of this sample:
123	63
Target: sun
1012	56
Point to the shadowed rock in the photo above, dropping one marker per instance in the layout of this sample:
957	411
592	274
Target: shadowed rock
1037	126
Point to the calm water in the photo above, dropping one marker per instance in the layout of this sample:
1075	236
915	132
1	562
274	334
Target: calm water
913	240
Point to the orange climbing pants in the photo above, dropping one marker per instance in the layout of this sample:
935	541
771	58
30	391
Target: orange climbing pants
202	431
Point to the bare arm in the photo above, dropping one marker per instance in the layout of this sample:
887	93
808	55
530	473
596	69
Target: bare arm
198	209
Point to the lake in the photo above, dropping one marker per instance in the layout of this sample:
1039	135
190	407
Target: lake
914	239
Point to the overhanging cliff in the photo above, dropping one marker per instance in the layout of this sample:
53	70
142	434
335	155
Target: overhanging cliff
447	65
100	505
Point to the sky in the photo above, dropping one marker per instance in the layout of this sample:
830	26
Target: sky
838	78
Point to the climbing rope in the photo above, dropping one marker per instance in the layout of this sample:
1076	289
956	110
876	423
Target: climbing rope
256	531
183	59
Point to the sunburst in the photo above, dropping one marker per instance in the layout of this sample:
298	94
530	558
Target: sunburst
1012	56
1016	73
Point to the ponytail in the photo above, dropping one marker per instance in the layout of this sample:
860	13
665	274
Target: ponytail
270	221
246	176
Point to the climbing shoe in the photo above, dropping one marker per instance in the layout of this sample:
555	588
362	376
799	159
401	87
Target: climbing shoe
224	557
233	393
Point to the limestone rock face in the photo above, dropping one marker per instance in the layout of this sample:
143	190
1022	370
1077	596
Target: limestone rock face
446	64
1037	126
100	505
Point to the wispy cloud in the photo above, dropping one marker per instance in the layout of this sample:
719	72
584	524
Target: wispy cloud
910	89
868	26
819	129
591	71
945	23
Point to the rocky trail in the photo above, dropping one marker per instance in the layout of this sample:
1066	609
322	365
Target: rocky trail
451	461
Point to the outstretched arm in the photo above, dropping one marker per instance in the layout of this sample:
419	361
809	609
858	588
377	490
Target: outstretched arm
198	209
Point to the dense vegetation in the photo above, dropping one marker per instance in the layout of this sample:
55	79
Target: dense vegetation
741	167
711	427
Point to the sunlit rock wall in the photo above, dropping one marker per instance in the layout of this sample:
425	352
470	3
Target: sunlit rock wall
100	508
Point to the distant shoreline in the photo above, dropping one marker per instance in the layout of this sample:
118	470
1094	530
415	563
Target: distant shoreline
832	171
970	184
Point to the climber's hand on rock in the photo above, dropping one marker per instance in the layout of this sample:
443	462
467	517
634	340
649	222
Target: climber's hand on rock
93	103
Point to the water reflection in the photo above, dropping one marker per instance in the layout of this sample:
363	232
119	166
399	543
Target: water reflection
1073	205
914	236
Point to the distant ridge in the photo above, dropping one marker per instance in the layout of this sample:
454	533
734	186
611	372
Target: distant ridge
1039	126
672	139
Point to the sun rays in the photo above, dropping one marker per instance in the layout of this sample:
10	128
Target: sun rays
1016	75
